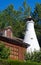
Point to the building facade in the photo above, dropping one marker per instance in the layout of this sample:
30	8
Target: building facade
16	45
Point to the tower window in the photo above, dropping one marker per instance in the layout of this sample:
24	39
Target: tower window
31	38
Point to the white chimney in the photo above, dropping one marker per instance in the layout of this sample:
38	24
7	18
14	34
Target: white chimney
30	36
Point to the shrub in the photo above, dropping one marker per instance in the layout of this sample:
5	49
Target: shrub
4	52
34	56
12	62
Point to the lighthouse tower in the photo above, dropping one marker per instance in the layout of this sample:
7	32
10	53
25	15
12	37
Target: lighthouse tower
30	36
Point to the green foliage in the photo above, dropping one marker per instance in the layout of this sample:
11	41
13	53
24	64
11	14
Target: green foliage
25	10
12	62
4	52
38	32
37	18
34	56
37	13
14	18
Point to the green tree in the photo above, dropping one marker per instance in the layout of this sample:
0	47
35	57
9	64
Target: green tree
4	52
25	10
22	13
37	13
15	18
37	18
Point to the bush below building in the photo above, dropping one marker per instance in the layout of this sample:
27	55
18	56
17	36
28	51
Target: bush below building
13	62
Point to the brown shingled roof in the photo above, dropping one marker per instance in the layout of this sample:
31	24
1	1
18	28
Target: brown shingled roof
15	41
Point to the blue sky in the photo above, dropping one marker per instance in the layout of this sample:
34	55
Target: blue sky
17	3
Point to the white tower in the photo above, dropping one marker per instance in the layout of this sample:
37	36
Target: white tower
30	36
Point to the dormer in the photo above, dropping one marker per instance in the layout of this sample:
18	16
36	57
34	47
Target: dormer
7	32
